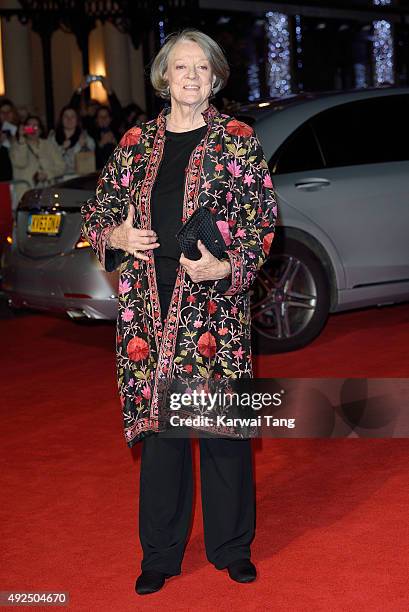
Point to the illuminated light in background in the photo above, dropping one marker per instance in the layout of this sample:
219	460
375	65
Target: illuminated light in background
161	33
383	48
161	25
97	90
360	76
253	80
278	64
2	84
298	38
97	63
97	66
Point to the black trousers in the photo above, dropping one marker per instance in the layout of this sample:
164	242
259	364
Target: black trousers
165	502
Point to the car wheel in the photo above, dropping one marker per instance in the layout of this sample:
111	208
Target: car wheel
290	299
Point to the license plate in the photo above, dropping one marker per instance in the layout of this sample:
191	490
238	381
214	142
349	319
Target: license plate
44	224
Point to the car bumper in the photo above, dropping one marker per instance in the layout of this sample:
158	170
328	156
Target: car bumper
73	283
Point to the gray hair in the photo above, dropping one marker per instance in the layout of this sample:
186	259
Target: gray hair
220	67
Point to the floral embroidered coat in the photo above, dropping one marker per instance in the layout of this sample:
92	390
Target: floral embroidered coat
207	330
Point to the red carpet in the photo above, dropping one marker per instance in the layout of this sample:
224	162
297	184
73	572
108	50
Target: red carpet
332	528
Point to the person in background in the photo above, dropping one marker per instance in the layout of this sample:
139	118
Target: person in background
105	134
88	110
70	138
35	160
8	112
132	115
9	121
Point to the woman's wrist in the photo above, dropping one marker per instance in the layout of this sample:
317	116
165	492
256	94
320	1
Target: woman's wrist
109	242
226	270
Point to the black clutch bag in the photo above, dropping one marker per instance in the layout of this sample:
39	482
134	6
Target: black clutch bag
201	225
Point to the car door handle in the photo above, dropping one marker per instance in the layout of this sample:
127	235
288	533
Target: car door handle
311	184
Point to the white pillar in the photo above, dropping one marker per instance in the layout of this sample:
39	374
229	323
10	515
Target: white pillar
117	62
17	62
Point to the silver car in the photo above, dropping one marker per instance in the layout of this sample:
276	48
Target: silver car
48	265
339	163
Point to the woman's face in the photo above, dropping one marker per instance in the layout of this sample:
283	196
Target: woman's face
7	114
33	129
103	118
189	74
69	119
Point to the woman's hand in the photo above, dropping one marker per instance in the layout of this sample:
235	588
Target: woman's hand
107	138
83	84
208	267
82	140
132	240
106	83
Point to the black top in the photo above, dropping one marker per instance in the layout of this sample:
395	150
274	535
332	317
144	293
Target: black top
167	207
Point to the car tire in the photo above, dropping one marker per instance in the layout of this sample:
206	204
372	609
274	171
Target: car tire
290	299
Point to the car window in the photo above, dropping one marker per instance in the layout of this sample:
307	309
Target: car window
364	132
87	182
299	153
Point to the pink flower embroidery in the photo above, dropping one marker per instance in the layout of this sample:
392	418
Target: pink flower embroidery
267	181
239	353
229	196
146	391
224	230
240	233
197	323
234	168
125	179
127	315
248	179
124	286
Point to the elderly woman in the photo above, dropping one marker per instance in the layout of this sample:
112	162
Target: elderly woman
171	320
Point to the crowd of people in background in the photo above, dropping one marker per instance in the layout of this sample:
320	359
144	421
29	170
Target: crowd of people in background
84	137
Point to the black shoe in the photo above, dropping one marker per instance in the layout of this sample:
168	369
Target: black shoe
242	570
150	581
